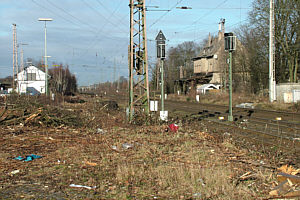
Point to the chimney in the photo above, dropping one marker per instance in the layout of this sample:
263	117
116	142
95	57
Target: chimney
209	40
221	29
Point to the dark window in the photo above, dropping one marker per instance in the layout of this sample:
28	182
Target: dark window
31	76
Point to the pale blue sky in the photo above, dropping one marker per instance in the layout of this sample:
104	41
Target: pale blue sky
83	29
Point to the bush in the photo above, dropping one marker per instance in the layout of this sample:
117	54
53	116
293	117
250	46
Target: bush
296	106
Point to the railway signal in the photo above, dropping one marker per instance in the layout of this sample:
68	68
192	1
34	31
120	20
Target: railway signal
161	54
230	45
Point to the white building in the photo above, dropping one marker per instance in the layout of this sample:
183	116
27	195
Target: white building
203	89
31	80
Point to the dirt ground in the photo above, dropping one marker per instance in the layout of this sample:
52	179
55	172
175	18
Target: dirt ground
116	160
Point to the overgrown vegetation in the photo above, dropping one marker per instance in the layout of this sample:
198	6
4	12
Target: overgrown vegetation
181	55
252	70
255	37
62	81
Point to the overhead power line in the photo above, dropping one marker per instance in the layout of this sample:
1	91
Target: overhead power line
92	44
233	25
222	8
209	12
194	22
53	12
178	2
91	29
113	12
64	11
204	15
99	14
77	23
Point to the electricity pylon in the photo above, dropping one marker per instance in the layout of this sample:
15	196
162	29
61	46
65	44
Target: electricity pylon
138	60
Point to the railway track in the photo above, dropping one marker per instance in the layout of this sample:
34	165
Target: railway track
258	125
261	138
251	124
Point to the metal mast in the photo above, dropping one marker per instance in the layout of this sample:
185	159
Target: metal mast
161	53
272	82
15	56
138	60
46	57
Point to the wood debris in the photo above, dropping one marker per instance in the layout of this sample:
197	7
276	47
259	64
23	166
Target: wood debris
33	116
91	163
288	183
288	170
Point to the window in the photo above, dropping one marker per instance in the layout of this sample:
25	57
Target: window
31	76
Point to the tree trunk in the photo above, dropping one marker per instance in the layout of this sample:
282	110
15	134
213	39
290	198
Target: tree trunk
296	67
290	64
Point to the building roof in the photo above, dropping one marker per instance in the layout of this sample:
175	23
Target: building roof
210	49
203	56
208	86
30	66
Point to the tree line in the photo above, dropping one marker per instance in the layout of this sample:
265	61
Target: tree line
61	80
255	37
254	61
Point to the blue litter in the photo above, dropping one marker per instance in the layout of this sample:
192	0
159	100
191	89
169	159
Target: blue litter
19	158
28	158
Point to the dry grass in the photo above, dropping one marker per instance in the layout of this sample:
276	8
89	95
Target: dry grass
161	165
188	164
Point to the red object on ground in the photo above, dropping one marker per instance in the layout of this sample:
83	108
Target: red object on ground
173	127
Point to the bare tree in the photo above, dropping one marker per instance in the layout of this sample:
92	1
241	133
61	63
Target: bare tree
287	30
62	80
257	57
181	55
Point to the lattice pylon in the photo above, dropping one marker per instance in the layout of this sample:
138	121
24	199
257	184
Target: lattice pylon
138	60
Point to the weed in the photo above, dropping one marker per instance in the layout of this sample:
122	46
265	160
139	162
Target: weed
160	164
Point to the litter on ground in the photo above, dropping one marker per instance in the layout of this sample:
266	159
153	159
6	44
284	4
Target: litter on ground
28	158
83	186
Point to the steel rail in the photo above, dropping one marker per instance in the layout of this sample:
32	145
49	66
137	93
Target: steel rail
253	135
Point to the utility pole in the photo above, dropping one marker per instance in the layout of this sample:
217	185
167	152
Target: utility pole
16	49
22	56
138	60
15	60
22	60
22	68
162	86
46	63
230	116
19	69
118	81
272	82
157	74
114	75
